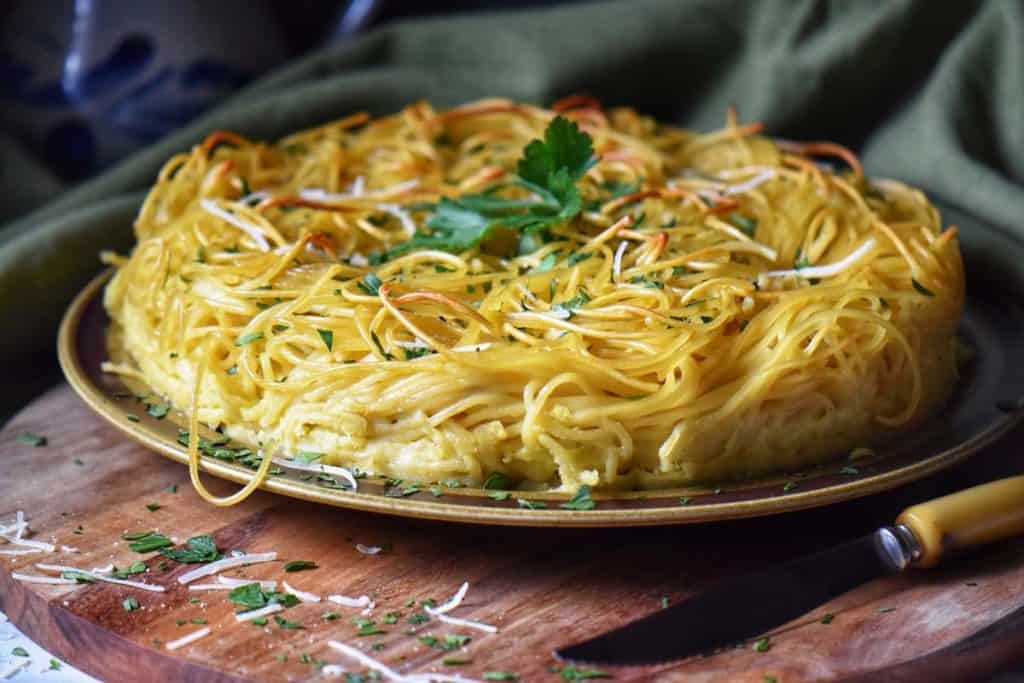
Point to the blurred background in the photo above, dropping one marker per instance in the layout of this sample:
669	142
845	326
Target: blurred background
85	82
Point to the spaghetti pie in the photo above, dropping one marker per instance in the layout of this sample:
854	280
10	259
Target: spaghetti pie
566	297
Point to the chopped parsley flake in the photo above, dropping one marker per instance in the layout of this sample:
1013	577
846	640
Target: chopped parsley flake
328	338
157	410
150	542
369	285
248	338
199	549
497	481
571	673
581	500
31	439
288	625
299	565
763	645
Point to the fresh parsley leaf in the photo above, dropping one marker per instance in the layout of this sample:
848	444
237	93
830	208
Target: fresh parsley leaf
531	504
308	456
31	439
299	565
500	676
827	618
153	507
200	549
328	338
54	665
19	652
763	645
565	147
137	535
499	495
581	500
549	170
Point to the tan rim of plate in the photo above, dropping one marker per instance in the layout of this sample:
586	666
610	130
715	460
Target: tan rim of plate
636	508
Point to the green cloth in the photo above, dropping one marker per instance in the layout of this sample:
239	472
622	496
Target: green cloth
931	93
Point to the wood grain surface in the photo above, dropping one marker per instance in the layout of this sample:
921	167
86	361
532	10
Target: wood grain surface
542	587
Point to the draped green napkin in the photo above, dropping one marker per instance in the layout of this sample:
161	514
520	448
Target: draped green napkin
930	93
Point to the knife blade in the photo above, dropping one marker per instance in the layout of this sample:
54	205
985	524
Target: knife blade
736	609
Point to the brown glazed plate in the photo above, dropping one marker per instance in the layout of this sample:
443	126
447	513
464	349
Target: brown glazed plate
987	403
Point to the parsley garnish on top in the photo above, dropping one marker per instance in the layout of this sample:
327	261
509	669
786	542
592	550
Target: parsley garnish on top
548	170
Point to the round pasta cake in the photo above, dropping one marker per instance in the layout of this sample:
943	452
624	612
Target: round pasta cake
564	297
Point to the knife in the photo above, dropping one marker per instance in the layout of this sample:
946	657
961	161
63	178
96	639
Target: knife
708	621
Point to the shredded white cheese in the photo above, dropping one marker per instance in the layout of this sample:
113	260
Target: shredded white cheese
389	673
324	469
368	549
346	601
13	667
473	347
747	185
253	231
408	224
234	582
468	623
226	563
357	189
441	612
35	578
823	271
257	613
452	602
332	671
254	197
617	261
301	595
264	585
189	639
102	577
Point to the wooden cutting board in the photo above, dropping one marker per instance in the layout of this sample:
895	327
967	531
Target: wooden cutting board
542	588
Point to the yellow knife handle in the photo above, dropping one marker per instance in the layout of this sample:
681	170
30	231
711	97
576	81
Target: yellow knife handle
978	515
